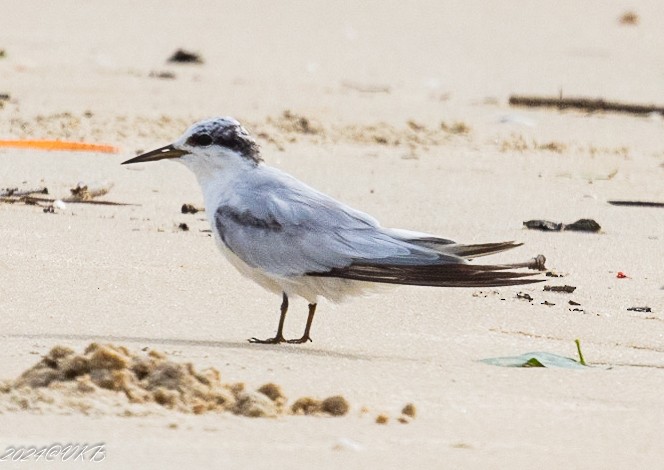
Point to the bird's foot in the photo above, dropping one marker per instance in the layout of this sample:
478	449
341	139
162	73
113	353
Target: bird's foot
304	339
276	340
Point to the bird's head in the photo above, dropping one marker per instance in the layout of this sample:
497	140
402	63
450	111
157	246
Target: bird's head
213	143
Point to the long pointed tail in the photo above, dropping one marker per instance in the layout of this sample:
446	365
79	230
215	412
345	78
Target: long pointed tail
439	275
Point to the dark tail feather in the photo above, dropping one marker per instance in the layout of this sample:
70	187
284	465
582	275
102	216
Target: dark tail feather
440	275
464	251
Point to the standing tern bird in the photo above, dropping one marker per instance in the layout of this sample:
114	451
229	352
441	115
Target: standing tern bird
294	240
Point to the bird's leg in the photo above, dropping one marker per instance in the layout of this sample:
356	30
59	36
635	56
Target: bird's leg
280	330
307	330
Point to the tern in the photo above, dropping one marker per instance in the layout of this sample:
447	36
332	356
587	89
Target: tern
296	241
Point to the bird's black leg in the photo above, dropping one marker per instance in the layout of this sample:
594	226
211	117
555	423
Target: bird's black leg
280	330
307	330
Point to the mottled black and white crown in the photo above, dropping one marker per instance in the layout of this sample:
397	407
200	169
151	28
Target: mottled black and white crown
225	132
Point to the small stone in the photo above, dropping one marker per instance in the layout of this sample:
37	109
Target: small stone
382	419
409	410
306	406
335	406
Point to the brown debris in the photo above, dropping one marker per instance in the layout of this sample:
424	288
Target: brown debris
80	194
566	289
298	124
382	419
255	405
518	143
629	18
456	127
84	193
108	378
409	410
335	406
273	392
306	406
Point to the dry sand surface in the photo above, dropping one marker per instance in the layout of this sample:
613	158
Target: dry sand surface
399	109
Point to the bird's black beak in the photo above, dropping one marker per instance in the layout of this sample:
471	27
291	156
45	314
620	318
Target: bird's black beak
160	154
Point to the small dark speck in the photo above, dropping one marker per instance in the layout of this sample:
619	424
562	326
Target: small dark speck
184	227
524	296
640	309
164	74
189	209
185	57
546	302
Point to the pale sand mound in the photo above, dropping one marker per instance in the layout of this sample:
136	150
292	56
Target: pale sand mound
109	379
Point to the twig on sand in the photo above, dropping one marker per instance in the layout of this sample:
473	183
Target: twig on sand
586	104
14	192
32	201
637	203
536	263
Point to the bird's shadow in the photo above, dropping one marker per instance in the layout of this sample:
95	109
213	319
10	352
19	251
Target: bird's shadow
277	348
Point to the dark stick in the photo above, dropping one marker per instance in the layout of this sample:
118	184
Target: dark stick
586	104
14	192
637	203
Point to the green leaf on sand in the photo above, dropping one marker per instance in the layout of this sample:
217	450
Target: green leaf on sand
535	359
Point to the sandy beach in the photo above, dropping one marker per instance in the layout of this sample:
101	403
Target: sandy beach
399	110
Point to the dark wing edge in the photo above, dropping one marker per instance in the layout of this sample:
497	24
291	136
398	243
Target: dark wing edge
435	275
464	251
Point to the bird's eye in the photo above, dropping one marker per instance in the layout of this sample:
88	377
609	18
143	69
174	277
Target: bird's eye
201	140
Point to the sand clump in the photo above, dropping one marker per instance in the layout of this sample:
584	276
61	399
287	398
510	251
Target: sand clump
334	406
409	410
109	379
382	419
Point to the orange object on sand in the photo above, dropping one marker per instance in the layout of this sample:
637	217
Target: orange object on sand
621	275
58	145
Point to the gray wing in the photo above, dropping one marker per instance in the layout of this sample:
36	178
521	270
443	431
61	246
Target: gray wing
287	228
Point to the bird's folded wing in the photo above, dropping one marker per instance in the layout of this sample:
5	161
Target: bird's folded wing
291	233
